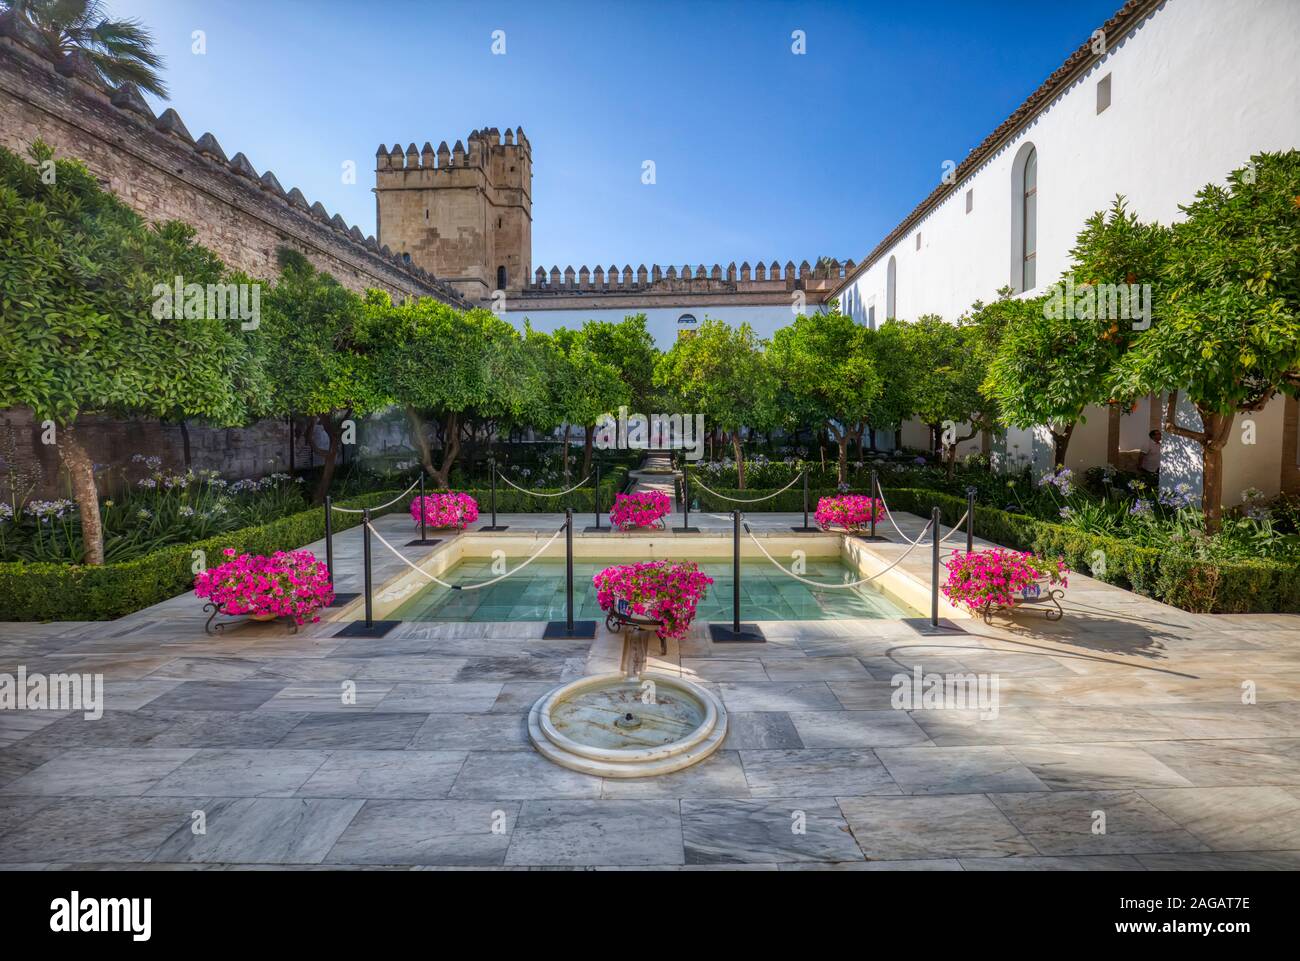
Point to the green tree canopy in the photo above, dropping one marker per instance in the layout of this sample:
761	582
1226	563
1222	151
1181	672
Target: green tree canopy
314	359
944	369
80	328
1056	354
721	372
827	368
1228	334
448	365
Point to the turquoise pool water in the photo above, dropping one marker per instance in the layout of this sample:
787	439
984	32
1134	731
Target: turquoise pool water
537	594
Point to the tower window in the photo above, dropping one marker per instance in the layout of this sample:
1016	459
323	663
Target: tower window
501	277
406	258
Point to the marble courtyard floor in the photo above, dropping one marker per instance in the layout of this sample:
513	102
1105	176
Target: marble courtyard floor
1127	707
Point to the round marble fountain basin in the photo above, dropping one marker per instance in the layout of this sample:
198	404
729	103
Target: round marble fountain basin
574	725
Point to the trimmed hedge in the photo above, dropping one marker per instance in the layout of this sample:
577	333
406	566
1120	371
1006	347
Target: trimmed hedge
75	592
1203	587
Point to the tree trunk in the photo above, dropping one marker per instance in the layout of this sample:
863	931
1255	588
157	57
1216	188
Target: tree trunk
740	460
1217	429
1114	417
450	449
842	442
185	443
586	450
1060	443
82	471
422	450
329	456
564	452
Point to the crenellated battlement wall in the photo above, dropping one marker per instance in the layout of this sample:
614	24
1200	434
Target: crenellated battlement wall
158	168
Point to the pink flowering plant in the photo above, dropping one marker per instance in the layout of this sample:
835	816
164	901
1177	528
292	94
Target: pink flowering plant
997	577
448	509
853	512
286	584
639	509
665	591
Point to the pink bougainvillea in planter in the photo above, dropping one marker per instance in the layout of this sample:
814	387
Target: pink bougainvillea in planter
665	591
445	510
640	509
850	511
292	584
988	580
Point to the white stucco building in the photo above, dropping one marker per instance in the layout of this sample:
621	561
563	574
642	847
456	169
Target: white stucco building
1172	96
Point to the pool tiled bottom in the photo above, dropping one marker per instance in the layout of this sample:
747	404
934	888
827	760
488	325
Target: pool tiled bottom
537	594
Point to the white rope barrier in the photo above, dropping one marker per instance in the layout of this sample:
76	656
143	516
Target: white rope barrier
754	500
834	587
540	493
464	587
890	515
955	527
348	510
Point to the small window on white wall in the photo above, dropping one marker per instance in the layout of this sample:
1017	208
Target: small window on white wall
970	200
1103	93
918	240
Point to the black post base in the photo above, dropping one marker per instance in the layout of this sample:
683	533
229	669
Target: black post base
749	634
686	530
494	527
923	626
359	629
343	600
558	630
423	542
807	530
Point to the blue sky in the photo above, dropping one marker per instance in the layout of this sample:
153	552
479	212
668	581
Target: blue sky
759	153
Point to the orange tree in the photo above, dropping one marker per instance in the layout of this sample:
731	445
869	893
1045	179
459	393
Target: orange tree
80	328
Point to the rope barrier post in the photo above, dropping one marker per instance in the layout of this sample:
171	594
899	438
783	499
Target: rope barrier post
735	632
568	627
423	540
876	501
369	627
970	520
340	600
494	526
805	529
596	528
934	567
686	527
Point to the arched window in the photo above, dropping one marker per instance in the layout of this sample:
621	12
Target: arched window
1024	219
891	289
501	277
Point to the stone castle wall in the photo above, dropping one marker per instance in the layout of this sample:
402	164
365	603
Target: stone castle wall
155	166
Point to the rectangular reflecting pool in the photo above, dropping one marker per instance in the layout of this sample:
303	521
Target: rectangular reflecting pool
537	593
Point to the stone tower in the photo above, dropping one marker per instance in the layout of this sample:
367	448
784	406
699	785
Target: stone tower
465	213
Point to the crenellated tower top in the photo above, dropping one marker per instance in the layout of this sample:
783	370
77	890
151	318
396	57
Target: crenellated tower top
464	212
